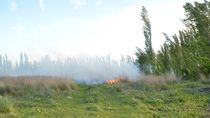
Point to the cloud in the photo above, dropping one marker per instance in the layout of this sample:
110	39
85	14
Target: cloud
114	34
13	5
98	2
77	3
41	4
19	29
44	29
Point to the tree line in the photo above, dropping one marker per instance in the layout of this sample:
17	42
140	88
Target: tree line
186	54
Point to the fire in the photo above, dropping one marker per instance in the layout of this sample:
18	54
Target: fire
114	81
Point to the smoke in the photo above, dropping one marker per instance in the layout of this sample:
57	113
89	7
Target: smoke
80	69
96	70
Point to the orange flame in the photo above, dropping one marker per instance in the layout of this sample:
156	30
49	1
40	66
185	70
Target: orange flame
114	81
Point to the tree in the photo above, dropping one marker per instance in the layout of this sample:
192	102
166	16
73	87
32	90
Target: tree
145	59
198	19
163	59
147	33
21	61
142	61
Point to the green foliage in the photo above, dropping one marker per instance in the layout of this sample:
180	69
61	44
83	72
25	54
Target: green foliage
145	59
205	65
186	54
198	17
162	61
147	33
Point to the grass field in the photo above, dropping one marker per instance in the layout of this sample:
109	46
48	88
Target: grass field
51	97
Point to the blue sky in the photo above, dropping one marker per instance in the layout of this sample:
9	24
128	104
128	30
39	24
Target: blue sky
63	28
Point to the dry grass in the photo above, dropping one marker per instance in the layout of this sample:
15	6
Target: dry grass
148	82
36	82
203	77
160	81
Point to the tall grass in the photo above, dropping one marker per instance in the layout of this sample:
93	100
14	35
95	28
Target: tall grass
6	105
149	82
13	85
160	81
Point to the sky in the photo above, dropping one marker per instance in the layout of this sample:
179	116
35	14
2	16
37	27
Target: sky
65	28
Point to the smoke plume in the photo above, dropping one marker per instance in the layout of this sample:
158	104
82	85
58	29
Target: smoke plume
80	69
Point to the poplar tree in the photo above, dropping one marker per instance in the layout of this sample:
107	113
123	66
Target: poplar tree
145	58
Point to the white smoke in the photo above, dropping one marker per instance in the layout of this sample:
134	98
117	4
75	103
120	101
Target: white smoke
101	69
80	69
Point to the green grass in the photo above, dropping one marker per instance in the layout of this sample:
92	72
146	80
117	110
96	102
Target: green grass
124	100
